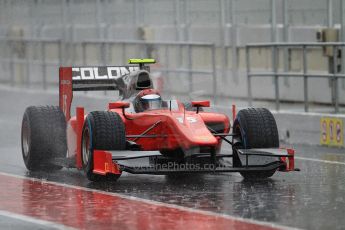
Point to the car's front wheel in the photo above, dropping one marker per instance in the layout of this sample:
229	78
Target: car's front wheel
103	130
255	128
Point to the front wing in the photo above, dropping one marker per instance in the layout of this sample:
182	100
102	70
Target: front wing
252	160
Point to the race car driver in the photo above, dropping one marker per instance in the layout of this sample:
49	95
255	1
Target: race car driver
147	99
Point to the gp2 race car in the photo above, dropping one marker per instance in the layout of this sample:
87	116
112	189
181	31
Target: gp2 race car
177	138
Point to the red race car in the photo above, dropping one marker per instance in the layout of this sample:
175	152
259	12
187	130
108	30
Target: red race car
178	138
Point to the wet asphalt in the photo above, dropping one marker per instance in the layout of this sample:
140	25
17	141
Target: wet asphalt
313	198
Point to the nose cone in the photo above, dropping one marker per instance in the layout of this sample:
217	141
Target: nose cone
192	131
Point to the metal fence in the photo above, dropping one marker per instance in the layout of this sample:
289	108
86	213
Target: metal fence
305	74
35	61
19	57
228	23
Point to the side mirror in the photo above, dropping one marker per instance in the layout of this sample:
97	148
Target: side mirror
199	104
118	105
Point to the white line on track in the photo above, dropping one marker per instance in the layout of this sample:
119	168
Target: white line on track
33	220
157	203
321	161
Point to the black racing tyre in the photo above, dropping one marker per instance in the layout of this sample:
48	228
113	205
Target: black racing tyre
188	106
256	128
43	137
103	130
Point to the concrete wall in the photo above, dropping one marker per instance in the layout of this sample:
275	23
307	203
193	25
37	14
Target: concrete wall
226	23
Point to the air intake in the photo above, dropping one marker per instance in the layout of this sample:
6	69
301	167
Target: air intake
144	81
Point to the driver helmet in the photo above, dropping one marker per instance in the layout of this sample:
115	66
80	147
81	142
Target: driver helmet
147	99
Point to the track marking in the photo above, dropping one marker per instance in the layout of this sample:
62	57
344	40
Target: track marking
33	220
156	203
321	161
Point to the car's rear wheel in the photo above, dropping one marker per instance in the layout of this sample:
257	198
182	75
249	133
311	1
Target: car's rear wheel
256	128
103	130
43	137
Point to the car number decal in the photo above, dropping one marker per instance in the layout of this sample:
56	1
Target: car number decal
189	119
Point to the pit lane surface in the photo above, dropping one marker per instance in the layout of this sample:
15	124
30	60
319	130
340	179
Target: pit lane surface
311	199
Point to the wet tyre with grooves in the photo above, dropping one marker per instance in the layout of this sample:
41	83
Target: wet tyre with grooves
103	130
257	128
43	137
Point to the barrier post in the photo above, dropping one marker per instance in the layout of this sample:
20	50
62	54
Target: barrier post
276	77
335	79
12	72
27	63
214	74
249	84
44	65
190	75
305	78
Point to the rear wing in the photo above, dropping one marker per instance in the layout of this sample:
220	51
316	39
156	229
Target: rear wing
97	79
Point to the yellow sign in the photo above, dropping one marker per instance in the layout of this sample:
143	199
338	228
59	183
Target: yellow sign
331	131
